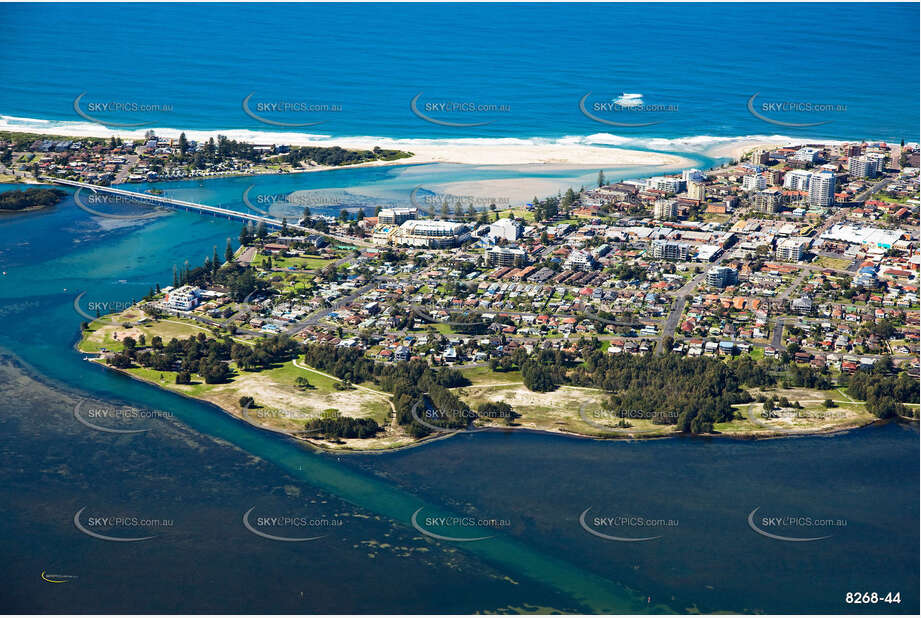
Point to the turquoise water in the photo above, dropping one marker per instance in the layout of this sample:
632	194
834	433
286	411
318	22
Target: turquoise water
711	560
537	60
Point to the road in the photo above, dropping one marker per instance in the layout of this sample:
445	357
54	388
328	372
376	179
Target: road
671	322
876	188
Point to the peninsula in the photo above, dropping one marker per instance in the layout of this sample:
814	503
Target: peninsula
770	297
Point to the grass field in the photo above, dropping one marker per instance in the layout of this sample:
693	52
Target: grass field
109	331
828	262
482	376
813	417
306	263
568	409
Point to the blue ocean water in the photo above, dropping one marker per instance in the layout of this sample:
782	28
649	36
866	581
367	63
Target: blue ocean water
531	62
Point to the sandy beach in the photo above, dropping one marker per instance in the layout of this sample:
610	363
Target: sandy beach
470	151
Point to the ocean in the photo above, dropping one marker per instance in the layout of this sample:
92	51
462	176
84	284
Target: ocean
522	69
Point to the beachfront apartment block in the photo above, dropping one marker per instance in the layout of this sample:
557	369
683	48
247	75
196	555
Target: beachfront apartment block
797	180
667	184
693	175
507	229
754	182
865	166
822	189
807	154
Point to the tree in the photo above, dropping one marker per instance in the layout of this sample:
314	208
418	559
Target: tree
261	231
284	226
302	383
228	252
601	179
245	235
537	377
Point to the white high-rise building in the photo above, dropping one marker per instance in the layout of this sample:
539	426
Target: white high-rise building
506	256
697	190
396	216
721	276
579	260
797	180
509	229
667	250
792	249
754	182
822	189
664	183
807	154
869	165
693	175
665	209
863	167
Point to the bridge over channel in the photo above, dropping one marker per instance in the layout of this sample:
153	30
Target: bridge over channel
204	209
